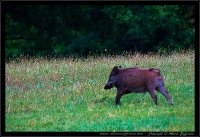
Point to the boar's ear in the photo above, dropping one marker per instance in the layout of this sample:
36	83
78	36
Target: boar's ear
114	70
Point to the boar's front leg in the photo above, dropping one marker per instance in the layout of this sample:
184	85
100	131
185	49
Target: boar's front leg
120	92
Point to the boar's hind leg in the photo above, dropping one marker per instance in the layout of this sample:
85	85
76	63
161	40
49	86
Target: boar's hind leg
153	96
165	93
161	88
151	90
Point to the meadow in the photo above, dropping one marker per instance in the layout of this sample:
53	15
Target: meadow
66	94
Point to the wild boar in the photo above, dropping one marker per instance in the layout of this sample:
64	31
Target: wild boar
138	80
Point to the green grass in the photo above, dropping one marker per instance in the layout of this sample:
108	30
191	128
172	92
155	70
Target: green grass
67	95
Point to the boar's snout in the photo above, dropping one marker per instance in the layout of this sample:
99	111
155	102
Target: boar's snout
108	85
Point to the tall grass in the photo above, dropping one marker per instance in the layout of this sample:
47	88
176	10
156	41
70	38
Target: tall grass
67	95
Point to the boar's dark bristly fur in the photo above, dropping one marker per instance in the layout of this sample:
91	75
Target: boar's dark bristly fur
138	80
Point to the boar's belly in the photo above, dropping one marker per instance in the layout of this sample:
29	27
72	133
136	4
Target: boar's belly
137	89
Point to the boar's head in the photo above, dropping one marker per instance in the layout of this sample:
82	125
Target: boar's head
112	78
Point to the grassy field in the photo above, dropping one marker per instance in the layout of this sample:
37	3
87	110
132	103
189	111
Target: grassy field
67	95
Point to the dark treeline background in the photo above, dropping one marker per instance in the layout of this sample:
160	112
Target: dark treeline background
58	30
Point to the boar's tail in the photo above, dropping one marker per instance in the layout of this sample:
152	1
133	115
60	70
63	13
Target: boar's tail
154	69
